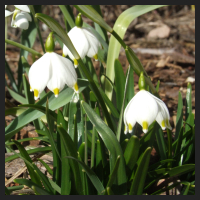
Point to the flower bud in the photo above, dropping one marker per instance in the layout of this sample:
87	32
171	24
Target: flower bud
79	21
49	45
142	83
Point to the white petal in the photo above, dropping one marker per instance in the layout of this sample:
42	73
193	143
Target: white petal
93	41
24	8
142	108
79	41
8	13
65	69
21	21
28	16
40	73
164	112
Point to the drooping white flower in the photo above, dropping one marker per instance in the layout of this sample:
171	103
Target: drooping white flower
53	71
84	41
20	16
144	108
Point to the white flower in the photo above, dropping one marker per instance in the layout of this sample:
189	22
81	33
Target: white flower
53	71
84	41
144	108
20	16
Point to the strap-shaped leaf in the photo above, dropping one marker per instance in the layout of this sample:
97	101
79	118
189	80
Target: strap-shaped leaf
95	180
91	13
111	143
120	27
31	114
140	175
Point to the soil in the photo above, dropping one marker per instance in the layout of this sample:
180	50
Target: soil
164	41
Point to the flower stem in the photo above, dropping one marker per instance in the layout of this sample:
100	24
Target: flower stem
169	137
23	47
37	26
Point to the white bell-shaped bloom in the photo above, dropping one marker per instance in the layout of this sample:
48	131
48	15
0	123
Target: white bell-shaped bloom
84	41
20	16
53	71
144	108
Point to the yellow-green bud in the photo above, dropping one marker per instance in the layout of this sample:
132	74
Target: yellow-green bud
142	83
79	21
49	45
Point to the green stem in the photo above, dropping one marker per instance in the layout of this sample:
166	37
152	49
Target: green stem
169	138
93	147
67	15
86	153
119	39
122	108
23	47
37	26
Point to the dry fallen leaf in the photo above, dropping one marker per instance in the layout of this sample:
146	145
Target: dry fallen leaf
159	32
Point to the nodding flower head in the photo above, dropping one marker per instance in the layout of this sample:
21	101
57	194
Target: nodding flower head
53	71
21	16
84	41
144	108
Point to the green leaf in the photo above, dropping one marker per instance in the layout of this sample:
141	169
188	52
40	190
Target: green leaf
111	143
34	176
44	179
67	15
98	28
157	86
72	112
33	186
7	192
28	38
160	163
137	185
113	174
23	47
161	142
130	87
177	171
120	83
25	64
131	153
65	167
94	179
110	105
179	142
17	96
31	151
71	151
122	107
91	13
29	139
120	27
46	166
147	140
31	114
179	116
138	68
13	188
10	76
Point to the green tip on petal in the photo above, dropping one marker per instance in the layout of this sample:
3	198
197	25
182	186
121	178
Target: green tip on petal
79	21
49	45
142	82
